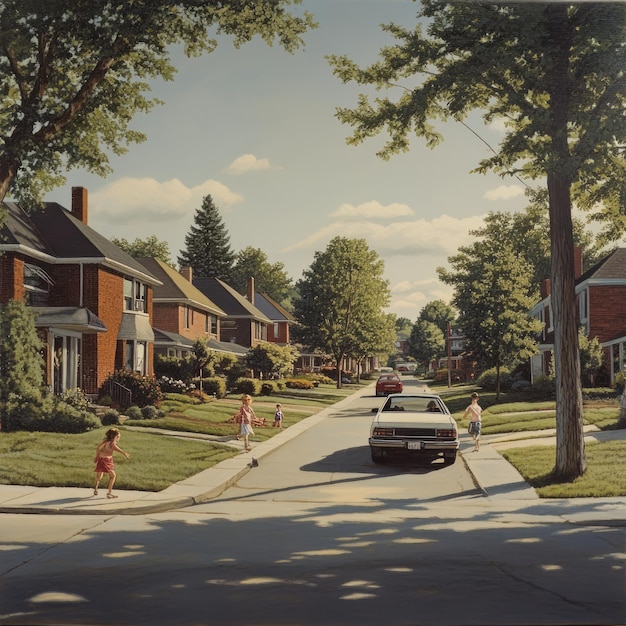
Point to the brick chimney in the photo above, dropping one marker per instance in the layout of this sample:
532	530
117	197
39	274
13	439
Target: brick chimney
250	290
545	288
80	204
578	262
187	272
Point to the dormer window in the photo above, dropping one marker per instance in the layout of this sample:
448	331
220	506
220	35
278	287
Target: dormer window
37	285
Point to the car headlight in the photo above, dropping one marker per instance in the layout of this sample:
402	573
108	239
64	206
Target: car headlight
448	433
383	432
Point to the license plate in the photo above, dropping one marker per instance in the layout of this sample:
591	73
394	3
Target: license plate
414	445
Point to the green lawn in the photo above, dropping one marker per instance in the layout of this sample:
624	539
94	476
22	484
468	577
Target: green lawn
156	461
50	459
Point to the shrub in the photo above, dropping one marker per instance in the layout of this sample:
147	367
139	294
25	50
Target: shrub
487	380
66	418
268	388
144	389
215	386
520	385
134	413
544	386
110	418
105	400
75	398
149	412
251	386
172	385
298	383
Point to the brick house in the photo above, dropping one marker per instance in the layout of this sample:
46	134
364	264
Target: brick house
280	320
93	301
601	300
244	323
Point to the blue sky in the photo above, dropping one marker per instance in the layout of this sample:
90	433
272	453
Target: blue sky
256	129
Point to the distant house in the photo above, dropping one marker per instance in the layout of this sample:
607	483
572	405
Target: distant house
92	300
281	320
601	300
181	312
244	323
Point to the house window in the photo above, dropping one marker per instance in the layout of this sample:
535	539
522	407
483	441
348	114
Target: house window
136	356
37	285
583	305
135	295
188	317
214	324
276	330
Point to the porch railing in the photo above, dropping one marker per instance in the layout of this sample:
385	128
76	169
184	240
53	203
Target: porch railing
122	396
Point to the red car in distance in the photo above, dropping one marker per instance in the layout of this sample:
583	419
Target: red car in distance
388	383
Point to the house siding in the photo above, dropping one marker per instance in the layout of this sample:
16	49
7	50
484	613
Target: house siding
606	311
11	279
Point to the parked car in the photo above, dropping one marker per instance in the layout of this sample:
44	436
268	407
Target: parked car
415	426
388	383
403	368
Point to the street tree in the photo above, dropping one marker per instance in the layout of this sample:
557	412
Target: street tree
74	74
269	278
268	359
591	356
208	250
494	294
439	313
553	73
374	337
150	247
341	290
427	342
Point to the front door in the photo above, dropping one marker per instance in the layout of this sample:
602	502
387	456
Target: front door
65	361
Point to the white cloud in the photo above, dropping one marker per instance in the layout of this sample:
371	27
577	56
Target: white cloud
139	200
373	210
504	192
498	124
249	163
440	236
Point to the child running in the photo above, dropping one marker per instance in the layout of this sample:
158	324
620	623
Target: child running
104	459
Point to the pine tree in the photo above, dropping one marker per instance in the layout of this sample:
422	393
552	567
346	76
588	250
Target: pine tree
208	250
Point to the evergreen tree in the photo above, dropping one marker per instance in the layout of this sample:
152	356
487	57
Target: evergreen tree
208	250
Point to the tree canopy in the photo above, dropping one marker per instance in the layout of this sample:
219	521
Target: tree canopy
74	74
343	288
208	250
150	247
269	278
553	73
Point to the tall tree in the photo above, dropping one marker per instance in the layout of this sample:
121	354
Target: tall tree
554	72
150	247
427	342
74	74
208	250
270	278
375	336
338	294
439	313
494	294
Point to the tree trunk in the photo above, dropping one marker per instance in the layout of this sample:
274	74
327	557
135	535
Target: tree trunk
8	170
570	442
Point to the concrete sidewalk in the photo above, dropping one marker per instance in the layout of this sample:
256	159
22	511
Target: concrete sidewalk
500	482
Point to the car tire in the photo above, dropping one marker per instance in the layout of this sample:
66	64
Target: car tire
377	456
449	457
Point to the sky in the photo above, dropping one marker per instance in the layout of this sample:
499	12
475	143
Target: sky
255	128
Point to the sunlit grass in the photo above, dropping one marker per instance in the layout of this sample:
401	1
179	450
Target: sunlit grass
605	475
54	459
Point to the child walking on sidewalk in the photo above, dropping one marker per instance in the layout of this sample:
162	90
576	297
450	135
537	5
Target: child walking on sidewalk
104	460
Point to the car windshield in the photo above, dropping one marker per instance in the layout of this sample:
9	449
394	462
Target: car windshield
414	404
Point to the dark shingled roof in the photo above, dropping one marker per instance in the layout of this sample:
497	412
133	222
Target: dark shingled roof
272	309
228	299
55	232
610	267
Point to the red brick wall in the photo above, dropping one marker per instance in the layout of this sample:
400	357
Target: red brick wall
283	333
11	278
606	311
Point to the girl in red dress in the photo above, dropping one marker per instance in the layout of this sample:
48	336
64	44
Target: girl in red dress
104	459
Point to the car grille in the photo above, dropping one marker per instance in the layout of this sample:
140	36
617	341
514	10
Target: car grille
415	432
